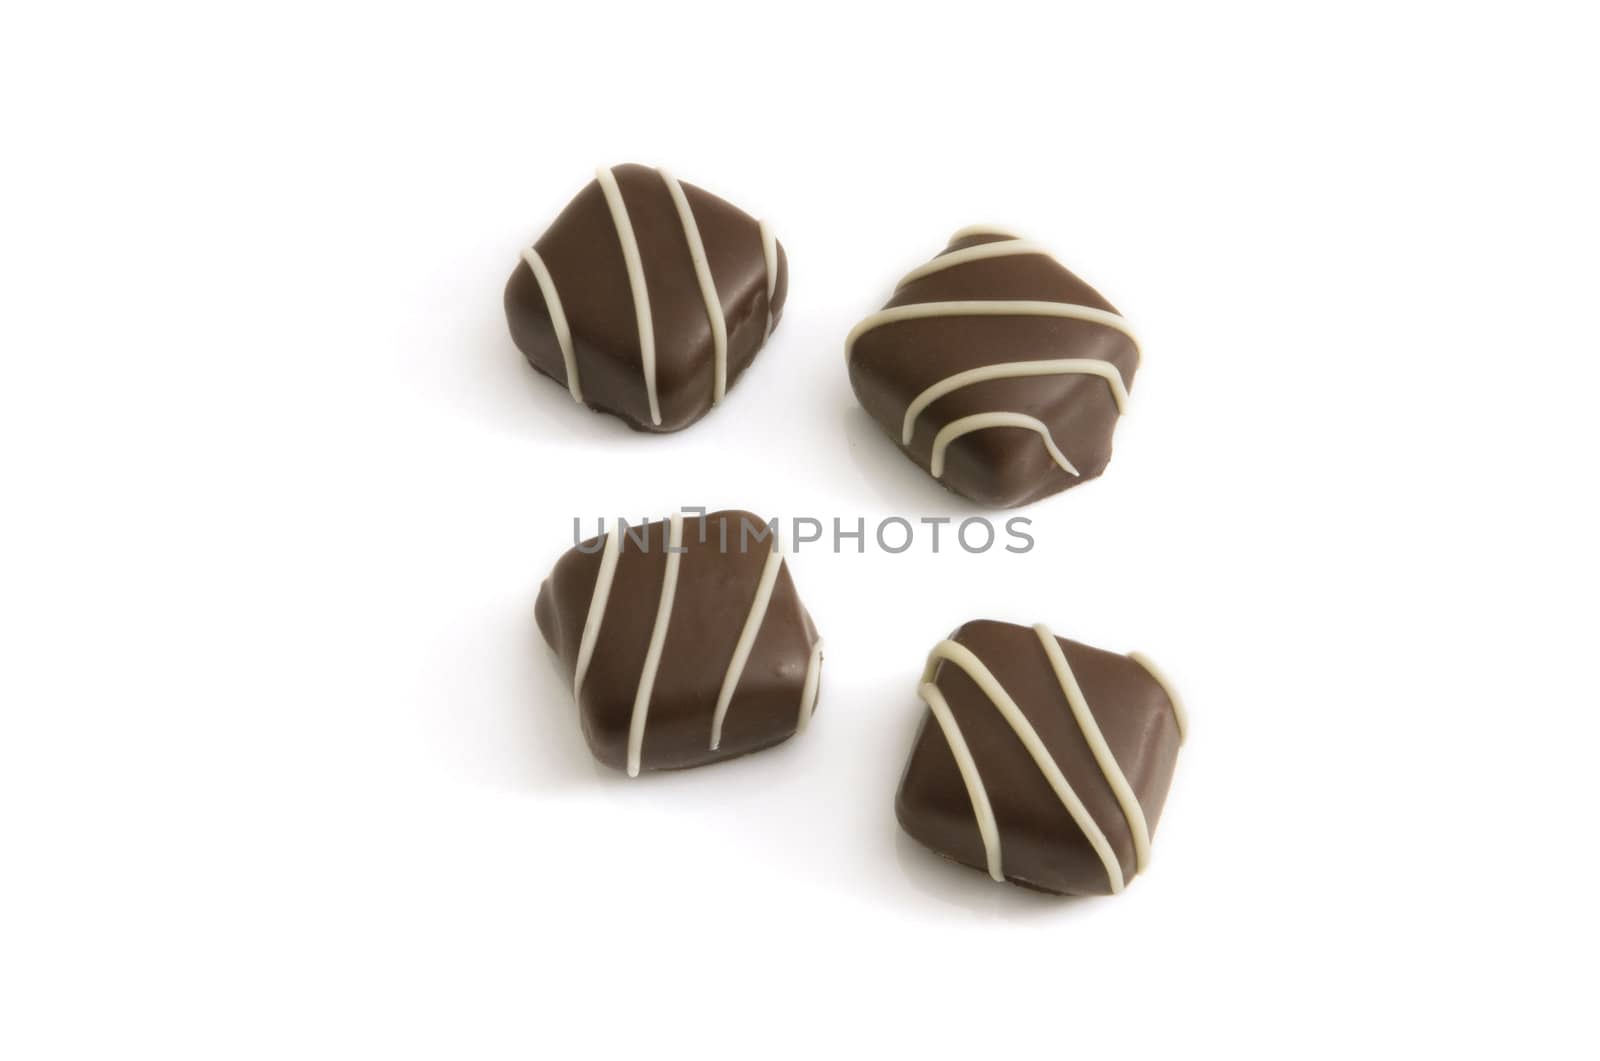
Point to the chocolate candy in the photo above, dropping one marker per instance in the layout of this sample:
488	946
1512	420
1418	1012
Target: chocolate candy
647	297
1044	761
996	369
685	639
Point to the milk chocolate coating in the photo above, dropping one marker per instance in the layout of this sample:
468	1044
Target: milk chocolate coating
582	251
1041	846
1000	467
715	589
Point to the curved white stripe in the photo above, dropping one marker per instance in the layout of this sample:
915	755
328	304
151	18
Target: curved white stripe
1001	249
808	691
980	421
981	230
769	251
989	308
747	639
597	607
1067	366
1179	715
658	637
988	828
708	286
558	319
963	657
1126	798
641	294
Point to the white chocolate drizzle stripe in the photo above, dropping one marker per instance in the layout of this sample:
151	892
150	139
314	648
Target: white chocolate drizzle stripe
988	308
597	608
1126	798
981	230
708	286
558	319
1067	366
1005	248
988	828
974	667
808	692
658	637
981	421
769	252
747	639
1179	714
641	294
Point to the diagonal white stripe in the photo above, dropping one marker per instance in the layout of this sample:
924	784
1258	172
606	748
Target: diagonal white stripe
747	639
1179	714
769	252
987	308
658	637
808	691
641	295
597	607
558	319
1005	248
1066	366
988	828
1126	798
708	286
974	668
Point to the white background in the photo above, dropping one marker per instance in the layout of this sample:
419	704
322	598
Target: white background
285	770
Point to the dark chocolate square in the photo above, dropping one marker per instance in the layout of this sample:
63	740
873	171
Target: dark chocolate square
647	297
1043	761
998	371
685	640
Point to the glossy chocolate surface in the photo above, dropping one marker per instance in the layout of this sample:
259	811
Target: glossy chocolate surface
588	270
1040	844
1001	466
715	591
